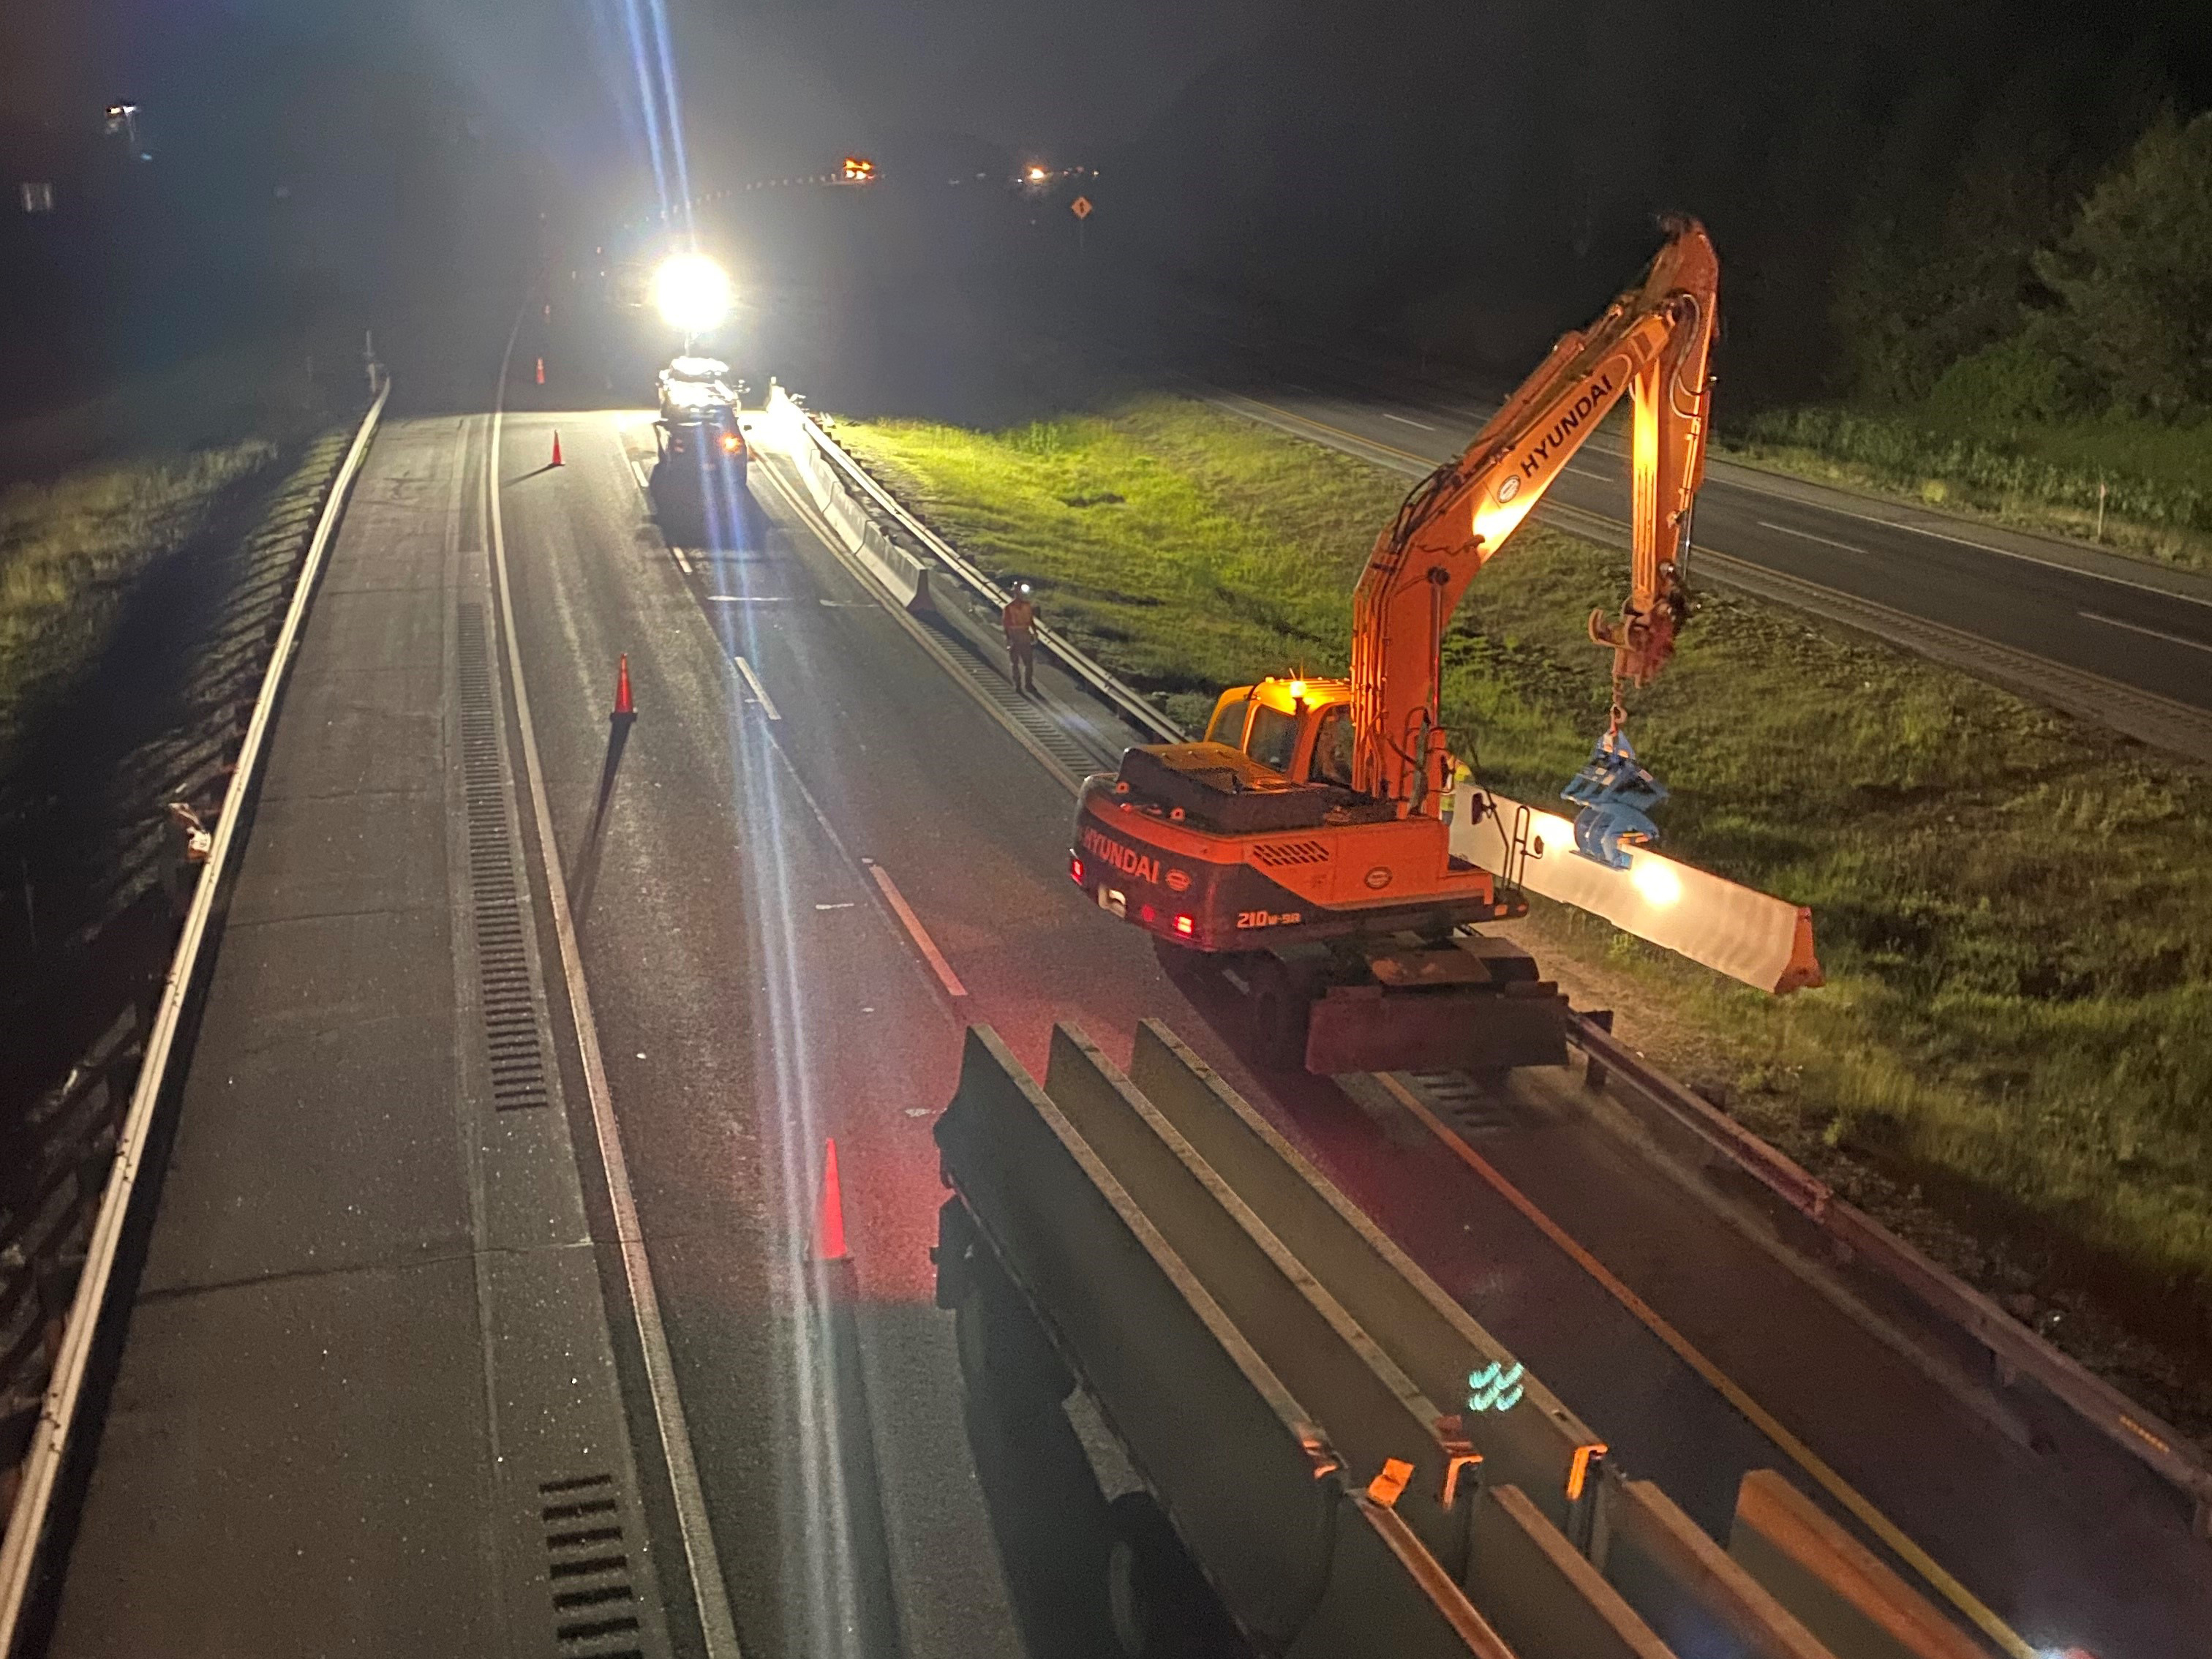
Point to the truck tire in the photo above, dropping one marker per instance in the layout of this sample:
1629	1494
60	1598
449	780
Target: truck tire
1005	1356
1158	1605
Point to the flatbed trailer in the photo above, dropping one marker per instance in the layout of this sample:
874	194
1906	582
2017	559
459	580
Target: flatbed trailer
1332	1457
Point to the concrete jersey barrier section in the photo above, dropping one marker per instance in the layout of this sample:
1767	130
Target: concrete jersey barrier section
1152	1342
1538	1445
1845	1593
1295	1390
903	576
1748	935
1535	1448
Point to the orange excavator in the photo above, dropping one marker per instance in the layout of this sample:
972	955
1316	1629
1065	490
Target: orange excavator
1303	844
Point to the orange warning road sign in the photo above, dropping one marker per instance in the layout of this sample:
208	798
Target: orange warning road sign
1080	207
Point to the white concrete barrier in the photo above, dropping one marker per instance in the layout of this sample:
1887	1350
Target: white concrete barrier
785	425
1734	930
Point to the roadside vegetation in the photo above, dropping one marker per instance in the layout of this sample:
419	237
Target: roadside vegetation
2133	485
70	549
94	495
2016	1034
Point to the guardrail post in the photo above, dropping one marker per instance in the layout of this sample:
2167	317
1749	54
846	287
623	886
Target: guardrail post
1594	1069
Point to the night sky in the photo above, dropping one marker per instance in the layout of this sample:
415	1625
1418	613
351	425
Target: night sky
1473	175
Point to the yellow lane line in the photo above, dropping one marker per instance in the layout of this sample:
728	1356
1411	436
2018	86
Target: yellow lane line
1806	1458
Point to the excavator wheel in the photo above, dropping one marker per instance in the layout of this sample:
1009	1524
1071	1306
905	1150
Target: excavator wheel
1281	1009
1185	968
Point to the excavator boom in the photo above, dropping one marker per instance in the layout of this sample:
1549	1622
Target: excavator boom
1652	344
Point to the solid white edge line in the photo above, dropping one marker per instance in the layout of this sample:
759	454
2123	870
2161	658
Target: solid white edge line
2137	628
2004	552
912	922
41	1468
760	691
712	1594
1807	535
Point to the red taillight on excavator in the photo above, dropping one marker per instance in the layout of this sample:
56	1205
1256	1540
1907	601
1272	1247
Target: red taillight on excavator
1146	914
1185	926
1075	871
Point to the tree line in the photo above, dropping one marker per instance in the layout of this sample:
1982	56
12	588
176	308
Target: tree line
2005	199
1999	295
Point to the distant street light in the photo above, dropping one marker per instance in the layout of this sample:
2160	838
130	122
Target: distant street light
1037	175
692	293
124	118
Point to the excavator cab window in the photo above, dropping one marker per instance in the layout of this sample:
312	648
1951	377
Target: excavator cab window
1274	739
1332	750
1227	725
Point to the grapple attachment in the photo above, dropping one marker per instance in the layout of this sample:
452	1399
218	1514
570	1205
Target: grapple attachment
1616	795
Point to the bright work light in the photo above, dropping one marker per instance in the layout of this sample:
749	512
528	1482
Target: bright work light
691	292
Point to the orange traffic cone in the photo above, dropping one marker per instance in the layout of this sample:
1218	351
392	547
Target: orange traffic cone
557	446
541	371
623	708
829	1225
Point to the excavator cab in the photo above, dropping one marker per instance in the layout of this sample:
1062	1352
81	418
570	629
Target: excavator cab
1300	729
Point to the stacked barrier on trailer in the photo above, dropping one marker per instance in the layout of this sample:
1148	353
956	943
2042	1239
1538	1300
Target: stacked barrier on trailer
1296	1392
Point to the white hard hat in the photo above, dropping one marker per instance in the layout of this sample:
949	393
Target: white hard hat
1026	588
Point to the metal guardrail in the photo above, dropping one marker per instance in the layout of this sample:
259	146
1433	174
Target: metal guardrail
2015	1350
26	1524
1131	703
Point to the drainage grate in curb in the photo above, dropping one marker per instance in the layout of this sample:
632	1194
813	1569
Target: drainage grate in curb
587	1569
506	981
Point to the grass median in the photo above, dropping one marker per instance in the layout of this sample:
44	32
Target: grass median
94	495
70	549
2016	1034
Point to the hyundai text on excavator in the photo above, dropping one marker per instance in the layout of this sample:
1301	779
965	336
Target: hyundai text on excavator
1303	844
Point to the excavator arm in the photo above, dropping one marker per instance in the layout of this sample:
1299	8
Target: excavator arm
1652	344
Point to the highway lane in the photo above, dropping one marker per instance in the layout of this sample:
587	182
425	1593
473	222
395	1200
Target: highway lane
752	1002
757	992
2137	624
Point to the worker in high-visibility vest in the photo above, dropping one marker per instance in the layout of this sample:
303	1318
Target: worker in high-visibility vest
1019	619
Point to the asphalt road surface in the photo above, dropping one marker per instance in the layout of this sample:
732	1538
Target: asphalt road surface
812	860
